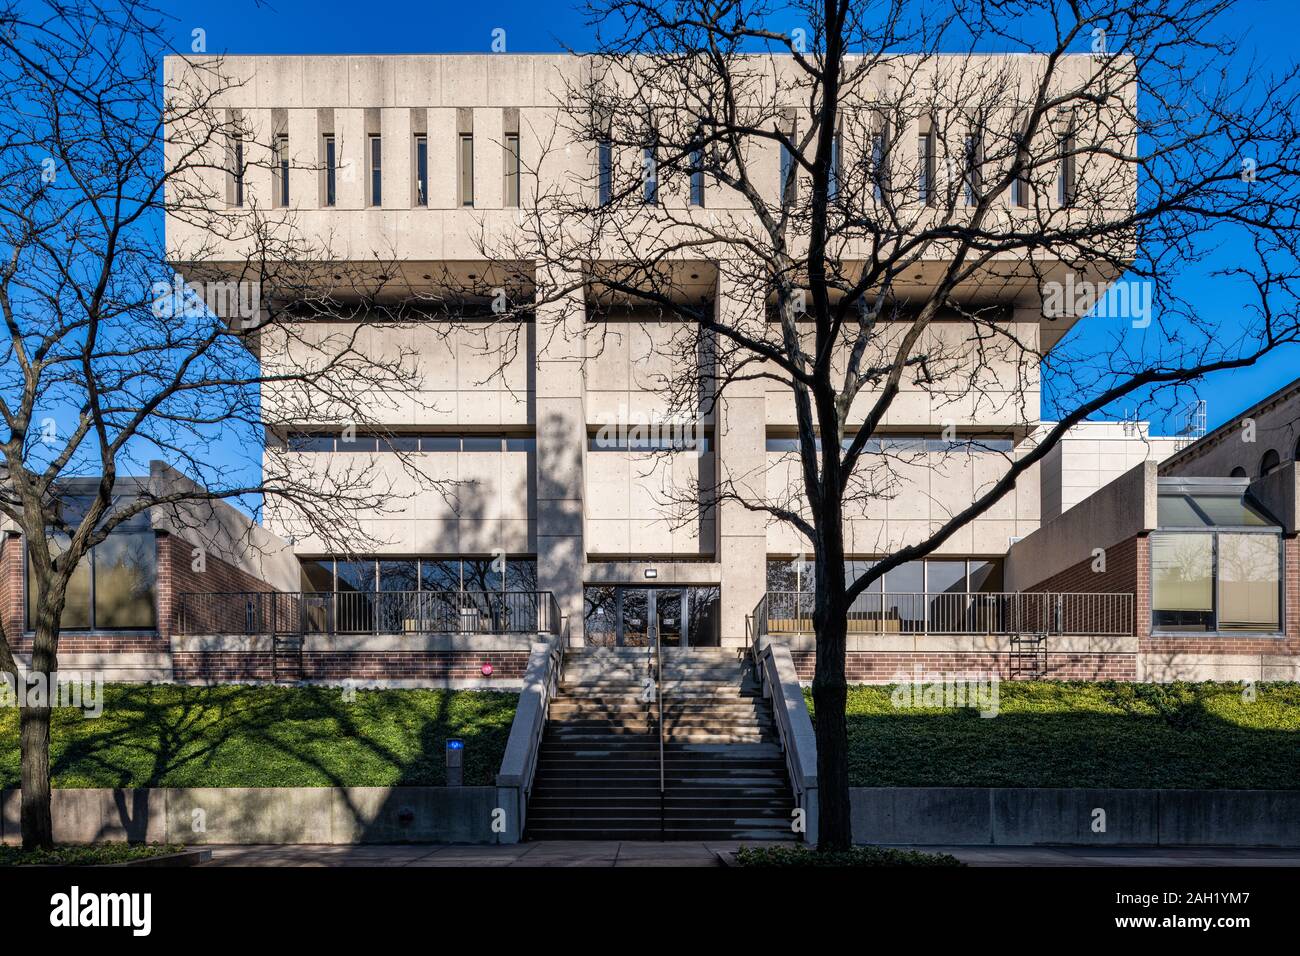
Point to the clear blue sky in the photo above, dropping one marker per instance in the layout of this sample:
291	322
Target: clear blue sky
1266	28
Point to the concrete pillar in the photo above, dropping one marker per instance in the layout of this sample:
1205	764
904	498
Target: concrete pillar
742	467
560	419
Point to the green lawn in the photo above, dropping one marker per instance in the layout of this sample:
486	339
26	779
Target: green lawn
1083	735
71	855
243	736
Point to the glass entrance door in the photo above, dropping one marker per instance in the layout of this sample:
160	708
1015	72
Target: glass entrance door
668	616
637	608
621	616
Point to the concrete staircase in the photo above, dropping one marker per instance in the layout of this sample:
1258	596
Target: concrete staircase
597	774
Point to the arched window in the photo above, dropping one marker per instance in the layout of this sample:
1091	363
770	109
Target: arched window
1297	449
1237	472
1269	463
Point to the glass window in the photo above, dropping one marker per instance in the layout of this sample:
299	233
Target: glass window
421	171
833	173
481	574
76	607
782	574
1065	175
237	173
357	443
1182	588
1269	463
783	444
904	598
112	588
1208	510
521	444
466	169
1176	511
355	575
649	176
376	172
946	577
318	576
854	569
600	615
399	576
879	163
703	627
282	165
440	575
331	174
697	176
925	168
605	172
985	577
396	610
1249	582
480	443
974	172
521	574
125	572
906	578
512	169
788	188
399	443
439	443
305	441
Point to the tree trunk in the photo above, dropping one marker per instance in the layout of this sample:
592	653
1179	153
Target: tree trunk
38	830
34	734
830	688
830	698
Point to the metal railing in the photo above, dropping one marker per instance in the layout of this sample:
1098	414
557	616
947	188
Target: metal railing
995	613
362	612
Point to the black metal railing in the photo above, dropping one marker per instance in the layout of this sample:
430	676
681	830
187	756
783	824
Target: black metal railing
365	612
998	613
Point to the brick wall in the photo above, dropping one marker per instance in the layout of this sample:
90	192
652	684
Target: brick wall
333	666
11	585
176	575
1125	573
885	667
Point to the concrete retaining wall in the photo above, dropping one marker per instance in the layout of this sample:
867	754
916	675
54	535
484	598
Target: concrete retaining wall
245	815
999	816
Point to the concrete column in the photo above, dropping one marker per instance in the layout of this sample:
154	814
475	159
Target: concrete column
560	419
742	467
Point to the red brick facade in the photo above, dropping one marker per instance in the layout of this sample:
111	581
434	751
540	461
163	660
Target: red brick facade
176	575
335	666
884	667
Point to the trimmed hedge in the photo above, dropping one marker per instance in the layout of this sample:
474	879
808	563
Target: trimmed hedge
771	857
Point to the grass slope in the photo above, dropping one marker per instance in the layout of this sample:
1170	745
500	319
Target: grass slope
1051	734
245	736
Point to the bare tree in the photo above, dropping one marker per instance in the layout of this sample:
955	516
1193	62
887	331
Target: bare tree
112	359
889	211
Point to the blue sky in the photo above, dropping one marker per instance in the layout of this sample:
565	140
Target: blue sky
1266	28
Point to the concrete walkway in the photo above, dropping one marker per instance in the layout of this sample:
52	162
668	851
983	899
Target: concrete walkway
577	853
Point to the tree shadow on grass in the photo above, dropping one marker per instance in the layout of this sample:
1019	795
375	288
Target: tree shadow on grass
1126	736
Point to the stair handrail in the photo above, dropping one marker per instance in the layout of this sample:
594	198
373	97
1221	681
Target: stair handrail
519	762
794	727
659	697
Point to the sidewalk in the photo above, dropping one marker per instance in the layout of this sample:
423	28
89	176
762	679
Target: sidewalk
578	853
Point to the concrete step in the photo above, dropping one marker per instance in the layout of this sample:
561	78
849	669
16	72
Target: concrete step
562	706
640	834
701	752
